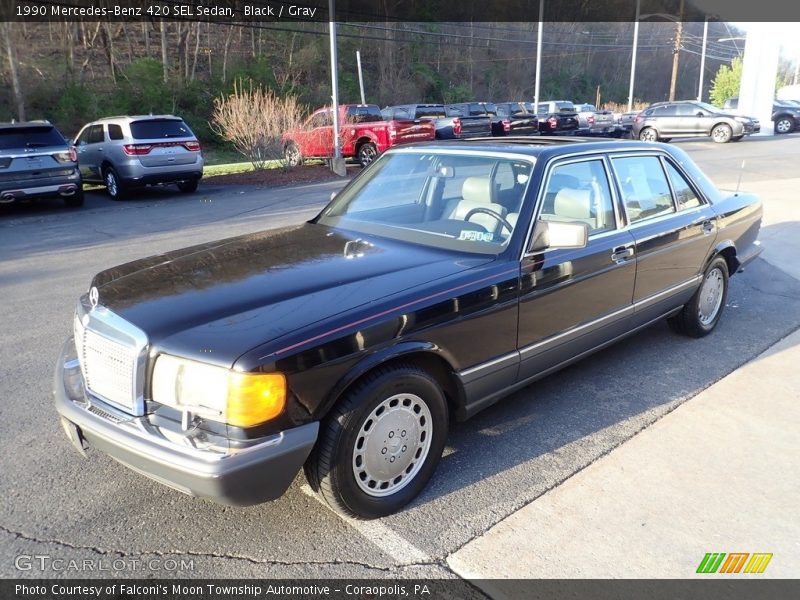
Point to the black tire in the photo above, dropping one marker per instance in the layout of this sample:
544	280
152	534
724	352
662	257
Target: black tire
648	134
783	125
292	156
721	133
367	152
76	200
113	184
701	314
348	433
188	187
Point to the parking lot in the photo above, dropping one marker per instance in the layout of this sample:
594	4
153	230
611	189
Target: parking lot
58	504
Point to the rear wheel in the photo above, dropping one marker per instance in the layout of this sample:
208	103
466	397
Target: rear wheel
367	153
702	313
648	134
113	184
76	200
188	187
722	133
783	125
292	156
381	443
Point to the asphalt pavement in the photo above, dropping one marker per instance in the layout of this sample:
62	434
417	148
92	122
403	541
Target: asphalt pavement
509	457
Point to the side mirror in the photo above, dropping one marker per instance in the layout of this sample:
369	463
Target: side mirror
700	113
559	234
333	195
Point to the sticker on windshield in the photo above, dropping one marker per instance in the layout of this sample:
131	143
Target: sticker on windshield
475	236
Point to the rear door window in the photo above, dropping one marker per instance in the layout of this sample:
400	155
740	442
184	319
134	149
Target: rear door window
363	114
644	186
153	129
115	132
30	137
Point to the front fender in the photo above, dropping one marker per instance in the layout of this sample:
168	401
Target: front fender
382	356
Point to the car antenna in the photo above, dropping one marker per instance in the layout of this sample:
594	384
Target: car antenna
741	172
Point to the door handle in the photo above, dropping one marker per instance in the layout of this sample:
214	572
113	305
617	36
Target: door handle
708	227
621	254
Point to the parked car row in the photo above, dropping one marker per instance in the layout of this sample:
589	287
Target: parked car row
122	153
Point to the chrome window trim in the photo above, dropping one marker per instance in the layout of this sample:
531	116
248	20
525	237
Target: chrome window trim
653	298
703	200
469	375
529	158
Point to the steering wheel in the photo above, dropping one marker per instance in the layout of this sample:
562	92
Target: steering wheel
491	213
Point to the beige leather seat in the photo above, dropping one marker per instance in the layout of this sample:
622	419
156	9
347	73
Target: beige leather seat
574	205
476	192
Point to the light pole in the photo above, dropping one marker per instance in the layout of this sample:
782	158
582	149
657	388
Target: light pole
633	56
337	164
539	57
703	62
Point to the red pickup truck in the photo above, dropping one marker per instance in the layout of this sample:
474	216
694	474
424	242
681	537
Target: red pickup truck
363	134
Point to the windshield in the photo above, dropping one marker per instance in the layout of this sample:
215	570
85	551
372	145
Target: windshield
454	200
709	107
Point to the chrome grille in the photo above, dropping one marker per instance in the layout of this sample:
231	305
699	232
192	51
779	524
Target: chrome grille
112	355
108	368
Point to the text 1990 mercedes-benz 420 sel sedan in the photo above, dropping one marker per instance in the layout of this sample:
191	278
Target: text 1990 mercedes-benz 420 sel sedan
443	277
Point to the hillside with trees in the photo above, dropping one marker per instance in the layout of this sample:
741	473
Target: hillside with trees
74	72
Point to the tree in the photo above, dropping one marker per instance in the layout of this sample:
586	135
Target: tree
254	121
726	82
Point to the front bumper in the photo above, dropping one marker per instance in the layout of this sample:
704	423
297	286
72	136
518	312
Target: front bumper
258	473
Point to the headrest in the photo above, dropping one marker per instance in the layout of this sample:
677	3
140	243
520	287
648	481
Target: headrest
573	204
477	189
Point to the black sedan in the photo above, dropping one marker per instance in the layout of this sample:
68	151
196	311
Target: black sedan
442	278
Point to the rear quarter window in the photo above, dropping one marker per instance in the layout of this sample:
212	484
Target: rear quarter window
159	129
30	137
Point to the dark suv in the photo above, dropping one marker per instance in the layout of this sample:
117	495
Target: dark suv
37	162
785	114
665	120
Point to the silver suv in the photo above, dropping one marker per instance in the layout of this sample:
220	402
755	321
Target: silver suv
663	121
128	152
37	162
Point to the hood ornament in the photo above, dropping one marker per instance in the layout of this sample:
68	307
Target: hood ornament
94	297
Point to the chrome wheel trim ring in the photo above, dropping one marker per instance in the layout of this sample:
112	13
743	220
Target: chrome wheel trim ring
392	445
711	296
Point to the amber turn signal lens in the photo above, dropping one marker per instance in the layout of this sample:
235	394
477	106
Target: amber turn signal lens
254	398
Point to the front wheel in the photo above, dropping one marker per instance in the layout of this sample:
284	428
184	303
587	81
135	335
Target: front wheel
367	153
783	125
702	313
722	133
381	444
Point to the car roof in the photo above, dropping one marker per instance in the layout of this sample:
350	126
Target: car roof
132	118
22	124
534	146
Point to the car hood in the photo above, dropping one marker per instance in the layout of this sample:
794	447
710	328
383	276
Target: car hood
218	300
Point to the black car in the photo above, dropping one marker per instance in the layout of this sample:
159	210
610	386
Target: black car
521	120
37	162
557	117
439	280
475	115
785	114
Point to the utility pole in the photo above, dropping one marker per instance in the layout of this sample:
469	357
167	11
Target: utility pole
676	53
538	58
337	163
360	77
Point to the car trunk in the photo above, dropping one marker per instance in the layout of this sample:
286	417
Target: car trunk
163	143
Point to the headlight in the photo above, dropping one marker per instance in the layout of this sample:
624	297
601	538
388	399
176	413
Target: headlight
216	393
